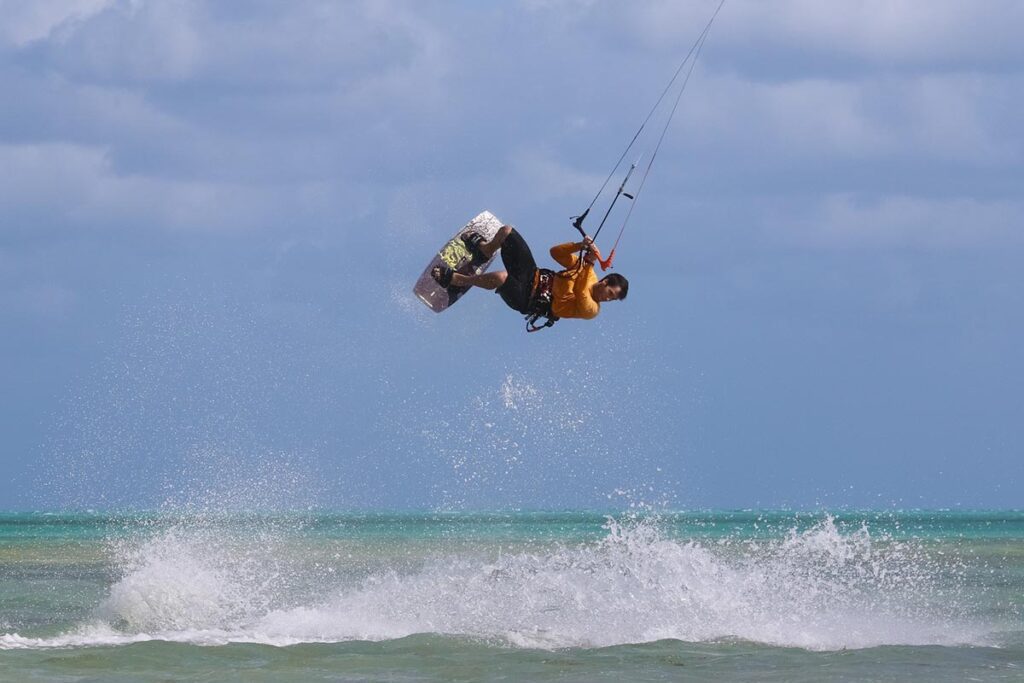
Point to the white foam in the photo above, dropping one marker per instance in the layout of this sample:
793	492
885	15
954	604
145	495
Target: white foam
819	589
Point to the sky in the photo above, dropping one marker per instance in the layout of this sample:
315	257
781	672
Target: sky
212	215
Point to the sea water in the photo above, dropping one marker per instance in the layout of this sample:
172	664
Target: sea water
573	596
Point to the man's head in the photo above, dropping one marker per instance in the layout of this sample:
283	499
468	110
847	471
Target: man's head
612	287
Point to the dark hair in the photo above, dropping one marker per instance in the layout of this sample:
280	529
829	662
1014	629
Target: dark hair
616	280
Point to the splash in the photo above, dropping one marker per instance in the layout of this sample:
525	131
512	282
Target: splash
818	589
533	435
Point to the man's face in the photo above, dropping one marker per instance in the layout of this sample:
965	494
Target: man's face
606	292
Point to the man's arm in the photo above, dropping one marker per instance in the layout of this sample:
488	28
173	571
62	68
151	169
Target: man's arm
565	254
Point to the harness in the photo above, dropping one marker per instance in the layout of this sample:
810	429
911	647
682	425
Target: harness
540	301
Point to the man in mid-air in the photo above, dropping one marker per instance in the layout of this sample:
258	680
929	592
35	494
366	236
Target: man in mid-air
574	292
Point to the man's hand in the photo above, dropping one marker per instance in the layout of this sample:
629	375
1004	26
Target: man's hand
593	253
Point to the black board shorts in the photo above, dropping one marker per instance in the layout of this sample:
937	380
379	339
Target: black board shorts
518	286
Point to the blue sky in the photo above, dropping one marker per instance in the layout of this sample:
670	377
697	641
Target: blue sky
211	217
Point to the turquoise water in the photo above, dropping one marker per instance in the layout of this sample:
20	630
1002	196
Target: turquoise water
759	596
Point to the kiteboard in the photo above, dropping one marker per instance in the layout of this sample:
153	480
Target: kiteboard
456	255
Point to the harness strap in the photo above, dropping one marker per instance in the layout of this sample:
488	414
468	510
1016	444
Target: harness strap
531	322
540	301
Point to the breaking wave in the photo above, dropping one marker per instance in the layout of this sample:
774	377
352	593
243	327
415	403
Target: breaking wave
819	589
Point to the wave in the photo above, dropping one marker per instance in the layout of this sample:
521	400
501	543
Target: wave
819	589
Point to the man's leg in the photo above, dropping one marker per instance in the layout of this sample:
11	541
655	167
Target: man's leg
486	280
490	247
483	280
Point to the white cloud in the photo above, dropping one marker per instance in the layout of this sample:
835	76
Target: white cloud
347	46
960	118
273	91
964	117
52	108
880	32
144	41
25	21
76	186
841	221
804	82
813	117
51	174
186	116
546	177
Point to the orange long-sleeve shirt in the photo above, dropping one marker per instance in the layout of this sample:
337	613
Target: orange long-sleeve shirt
570	292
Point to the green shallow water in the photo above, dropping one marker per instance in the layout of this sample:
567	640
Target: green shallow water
430	658
425	658
717	595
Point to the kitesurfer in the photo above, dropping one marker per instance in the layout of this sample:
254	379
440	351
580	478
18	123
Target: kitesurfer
574	292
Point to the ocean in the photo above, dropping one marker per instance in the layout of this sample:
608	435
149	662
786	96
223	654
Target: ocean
192	595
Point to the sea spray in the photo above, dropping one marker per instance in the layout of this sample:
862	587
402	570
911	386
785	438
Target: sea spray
817	590
193	577
826	586
550	433
211	559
